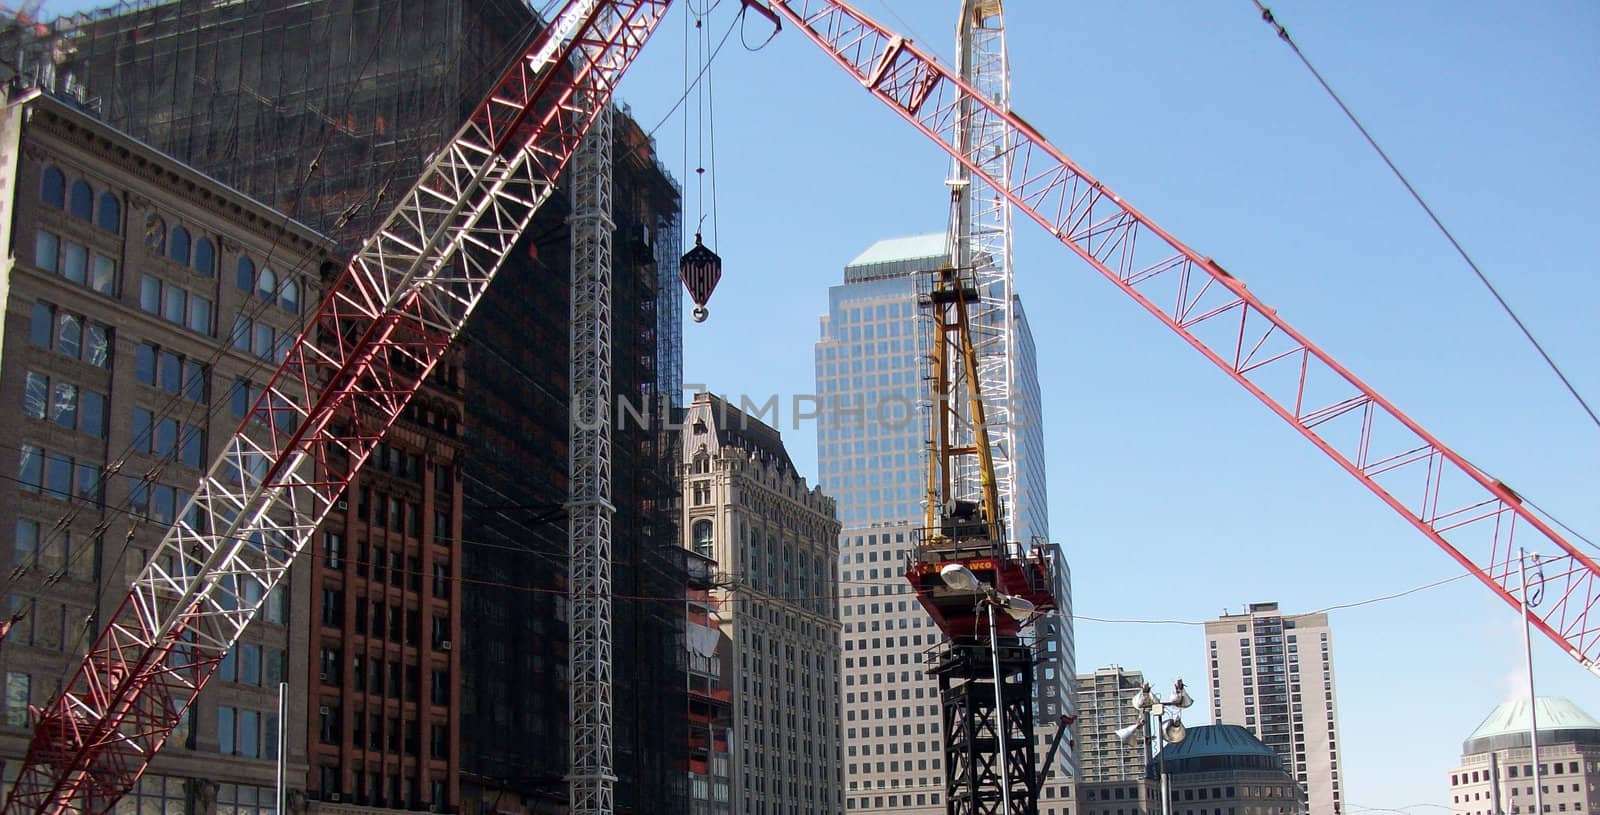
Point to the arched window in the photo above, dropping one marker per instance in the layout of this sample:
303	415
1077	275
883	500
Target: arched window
82	204
155	233
205	257
178	245
702	538
110	215
289	298
267	283
702	463
245	277
53	187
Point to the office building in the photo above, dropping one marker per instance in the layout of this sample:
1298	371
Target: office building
775	541
711	680
1215	768
1054	683
1272	673
1103	709
327	110
871	456
141	298
1496	775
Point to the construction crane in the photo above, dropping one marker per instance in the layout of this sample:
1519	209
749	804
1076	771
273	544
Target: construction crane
408	291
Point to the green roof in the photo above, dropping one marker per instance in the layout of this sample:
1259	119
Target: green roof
1559	721
1555	713
915	247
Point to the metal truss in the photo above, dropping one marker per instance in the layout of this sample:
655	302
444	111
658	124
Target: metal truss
1476	519
589	508
983	236
973	760
382	328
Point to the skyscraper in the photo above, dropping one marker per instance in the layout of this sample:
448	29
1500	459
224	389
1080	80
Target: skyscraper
871	458
1273	673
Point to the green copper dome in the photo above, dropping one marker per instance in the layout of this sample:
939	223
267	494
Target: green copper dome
1560	722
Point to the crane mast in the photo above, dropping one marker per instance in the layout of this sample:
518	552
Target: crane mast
409	289
982	234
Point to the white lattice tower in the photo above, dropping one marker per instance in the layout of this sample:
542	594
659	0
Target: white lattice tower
983	241
589	508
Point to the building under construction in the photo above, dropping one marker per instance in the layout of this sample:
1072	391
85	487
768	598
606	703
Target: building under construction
326	110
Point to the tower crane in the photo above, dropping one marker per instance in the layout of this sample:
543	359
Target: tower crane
411	286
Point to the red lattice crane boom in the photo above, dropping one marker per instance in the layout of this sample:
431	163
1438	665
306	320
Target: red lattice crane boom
411	287
1473	517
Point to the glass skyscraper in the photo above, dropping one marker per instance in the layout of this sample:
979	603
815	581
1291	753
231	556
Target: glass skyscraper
871	440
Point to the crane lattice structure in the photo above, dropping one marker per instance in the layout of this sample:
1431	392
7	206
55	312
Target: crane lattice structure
403	299
982	238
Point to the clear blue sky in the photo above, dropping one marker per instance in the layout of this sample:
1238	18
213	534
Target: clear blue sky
1176	494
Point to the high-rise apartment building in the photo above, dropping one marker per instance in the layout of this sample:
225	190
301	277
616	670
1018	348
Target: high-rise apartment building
327	110
871	454
775	540
142	300
1103	709
1273	673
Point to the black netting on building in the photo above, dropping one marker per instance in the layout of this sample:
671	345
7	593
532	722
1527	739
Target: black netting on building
327	110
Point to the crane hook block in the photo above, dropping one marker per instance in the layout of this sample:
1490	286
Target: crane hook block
700	270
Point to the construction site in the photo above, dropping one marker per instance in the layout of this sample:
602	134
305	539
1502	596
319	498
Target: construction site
454	268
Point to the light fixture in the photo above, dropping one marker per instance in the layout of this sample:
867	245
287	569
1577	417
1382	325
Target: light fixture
1126	734
1180	698
1173	731
960	578
1143	700
1019	608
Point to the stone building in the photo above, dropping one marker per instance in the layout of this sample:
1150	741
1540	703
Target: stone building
142	299
775	543
1496	775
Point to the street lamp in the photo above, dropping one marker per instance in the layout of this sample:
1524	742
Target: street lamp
1171	729
957	576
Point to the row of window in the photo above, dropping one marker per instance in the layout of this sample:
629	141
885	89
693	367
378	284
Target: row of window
200	255
168	438
250	664
261	338
245	732
171	372
1557	768
175	304
75	262
64	404
80	200
69	334
57	475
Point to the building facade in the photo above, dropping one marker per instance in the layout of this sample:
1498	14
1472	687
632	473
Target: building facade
1103	709
775	541
327	110
1220	767
1273	674
871	456
142	300
1497	777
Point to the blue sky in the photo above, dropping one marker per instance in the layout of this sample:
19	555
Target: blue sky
1176	494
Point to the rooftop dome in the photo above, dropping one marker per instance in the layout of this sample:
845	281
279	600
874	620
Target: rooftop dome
1217	747
1560	722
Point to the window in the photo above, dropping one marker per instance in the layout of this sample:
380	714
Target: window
205	257
289	296
82	203
703	544
155	233
267	284
178	245
171	372
71	260
53	187
19	687
109	217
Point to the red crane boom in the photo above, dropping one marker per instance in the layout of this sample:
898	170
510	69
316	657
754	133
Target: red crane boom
411	287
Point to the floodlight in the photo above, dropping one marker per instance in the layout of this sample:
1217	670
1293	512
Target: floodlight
1180	698
959	577
1126	734
1173	731
1018	607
